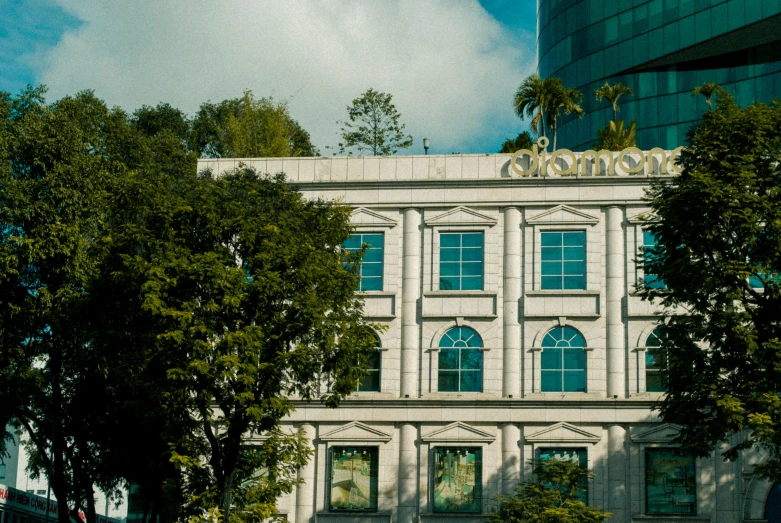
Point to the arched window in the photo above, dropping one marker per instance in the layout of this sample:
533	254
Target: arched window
461	361
655	361
371	381
563	361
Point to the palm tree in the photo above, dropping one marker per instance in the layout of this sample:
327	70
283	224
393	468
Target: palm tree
522	141
562	99
533	96
615	138
708	89
612	93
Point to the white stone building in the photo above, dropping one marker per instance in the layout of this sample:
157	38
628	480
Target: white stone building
542	270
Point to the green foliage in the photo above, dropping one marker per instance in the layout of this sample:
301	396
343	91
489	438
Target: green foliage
373	126
522	141
532	96
612	93
615	138
562	99
708	89
247	127
551	497
718	225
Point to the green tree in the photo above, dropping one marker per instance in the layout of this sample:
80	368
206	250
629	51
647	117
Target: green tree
522	141
533	99
551	497
235	287
562	99
718	232
373	125
612	93
247	127
708	89
615	137
59	163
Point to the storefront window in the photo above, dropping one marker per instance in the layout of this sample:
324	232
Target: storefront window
579	456
354	478
670	484
458	479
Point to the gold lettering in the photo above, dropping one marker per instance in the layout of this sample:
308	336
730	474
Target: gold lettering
596	170
674	168
622	156
532	161
649	162
572	168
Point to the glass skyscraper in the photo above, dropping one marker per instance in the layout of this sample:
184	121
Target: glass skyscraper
662	50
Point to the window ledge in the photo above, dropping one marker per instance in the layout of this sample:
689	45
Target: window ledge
568	396
458	293
459	396
375	293
574	292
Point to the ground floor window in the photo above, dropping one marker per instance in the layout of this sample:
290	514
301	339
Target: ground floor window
458	479
354	478
670	483
579	456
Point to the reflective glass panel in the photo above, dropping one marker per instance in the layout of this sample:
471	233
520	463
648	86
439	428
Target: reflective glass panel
670	483
461	261
372	262
577	455
457	479
460	361
563	255
354	478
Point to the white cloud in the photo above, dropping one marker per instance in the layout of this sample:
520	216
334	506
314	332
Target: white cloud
451	67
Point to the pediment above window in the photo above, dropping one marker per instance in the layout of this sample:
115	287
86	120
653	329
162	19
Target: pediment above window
459	433
563	215
461	216
664	433
356	431
362	217
563	433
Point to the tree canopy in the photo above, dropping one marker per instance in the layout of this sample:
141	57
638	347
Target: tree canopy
373	124
718	232
552	496
152	318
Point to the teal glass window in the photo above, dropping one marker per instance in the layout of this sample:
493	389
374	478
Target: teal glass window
460	361
354	478
373	258
655	363
371	381
577	455
563	361
670	483
563	255
461	261
650	280
458	479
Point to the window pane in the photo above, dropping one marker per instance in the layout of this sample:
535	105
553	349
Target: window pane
471	359
669	482
574	282
449	240
574	253
449	269
372	255
458	479
574	381
575	238
371	284
353	242
472	283
448	381
574	359
371	269
551	253
552	283
448	359
354	478
552	268
450	255
370	382
373	258
472	268
472	255
472	381
654	382
447	284
474	239
551	381
654	359
550	359
551	239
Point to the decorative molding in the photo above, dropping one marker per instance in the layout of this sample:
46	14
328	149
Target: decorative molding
459	432
563	215
461	216
356	431
662	434
638	218
363	217
563	433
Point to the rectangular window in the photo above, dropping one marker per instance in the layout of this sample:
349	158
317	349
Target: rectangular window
461	261
2	471
458	479
655	362
579	456
670	483
373	256
650	280
563	260
371	381
354	478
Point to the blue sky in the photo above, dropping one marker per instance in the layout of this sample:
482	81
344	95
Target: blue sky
452	65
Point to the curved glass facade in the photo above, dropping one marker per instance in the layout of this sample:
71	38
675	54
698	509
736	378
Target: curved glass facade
662	50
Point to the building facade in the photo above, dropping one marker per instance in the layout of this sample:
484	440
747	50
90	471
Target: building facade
514	332
662	50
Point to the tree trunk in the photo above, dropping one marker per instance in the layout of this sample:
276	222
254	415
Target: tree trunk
555	132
